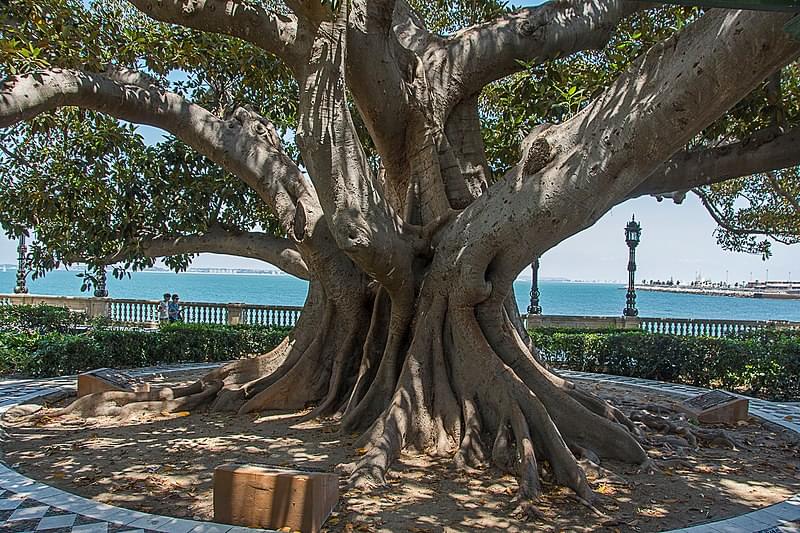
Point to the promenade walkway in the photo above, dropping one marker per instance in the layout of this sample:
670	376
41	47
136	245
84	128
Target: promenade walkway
27	505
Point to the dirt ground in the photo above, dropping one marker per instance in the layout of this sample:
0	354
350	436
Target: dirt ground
164	464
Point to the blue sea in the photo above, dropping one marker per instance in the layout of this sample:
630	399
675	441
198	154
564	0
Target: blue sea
557	297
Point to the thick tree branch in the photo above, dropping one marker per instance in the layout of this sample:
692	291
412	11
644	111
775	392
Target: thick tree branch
246	145
361	221
273	32
571	174
416	79
376	77
276	251
719	218
763	152
487	52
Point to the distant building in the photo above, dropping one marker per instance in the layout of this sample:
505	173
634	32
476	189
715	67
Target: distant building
789	286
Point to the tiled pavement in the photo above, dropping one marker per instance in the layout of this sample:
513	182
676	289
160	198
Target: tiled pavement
28	506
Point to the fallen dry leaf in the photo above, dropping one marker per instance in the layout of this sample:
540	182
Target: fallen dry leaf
605	489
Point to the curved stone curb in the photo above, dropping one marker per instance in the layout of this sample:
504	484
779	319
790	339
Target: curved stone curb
779	518
786	415
27	505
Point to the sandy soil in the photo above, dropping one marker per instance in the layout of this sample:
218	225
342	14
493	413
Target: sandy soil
164	465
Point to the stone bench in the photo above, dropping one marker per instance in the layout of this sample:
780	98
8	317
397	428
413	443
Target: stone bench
106	380
273	498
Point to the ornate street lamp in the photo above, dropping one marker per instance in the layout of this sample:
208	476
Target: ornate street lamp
100	289
534	308
22	273
633	232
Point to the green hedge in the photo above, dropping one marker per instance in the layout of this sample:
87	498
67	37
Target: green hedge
45	341
764	364
38	318
49	348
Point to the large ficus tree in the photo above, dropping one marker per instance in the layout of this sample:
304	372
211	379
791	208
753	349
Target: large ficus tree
411	231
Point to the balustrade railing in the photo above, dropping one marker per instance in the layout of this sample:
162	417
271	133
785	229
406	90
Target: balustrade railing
145	312
204	313
707	327
275	315
131	312
710	327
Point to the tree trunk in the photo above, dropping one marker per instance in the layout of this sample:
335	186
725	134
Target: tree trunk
410	334
454	380
465	384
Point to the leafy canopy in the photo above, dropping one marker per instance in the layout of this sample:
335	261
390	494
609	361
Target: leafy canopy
90	187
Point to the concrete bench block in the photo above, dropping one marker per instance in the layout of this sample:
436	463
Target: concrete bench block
272	497
105	380
716	407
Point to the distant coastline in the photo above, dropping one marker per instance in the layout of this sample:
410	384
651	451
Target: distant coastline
227	271
740	292
192	270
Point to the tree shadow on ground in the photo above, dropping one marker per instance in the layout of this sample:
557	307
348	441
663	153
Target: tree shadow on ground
164	465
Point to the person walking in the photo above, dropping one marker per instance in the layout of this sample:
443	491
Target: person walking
163	308
174	309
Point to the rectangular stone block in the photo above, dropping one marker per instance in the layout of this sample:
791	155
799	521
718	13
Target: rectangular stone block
716	407
272	497
104	380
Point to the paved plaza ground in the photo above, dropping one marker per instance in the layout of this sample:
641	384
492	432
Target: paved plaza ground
147	465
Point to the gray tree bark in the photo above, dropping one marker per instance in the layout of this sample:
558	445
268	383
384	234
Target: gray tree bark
277	251
410	333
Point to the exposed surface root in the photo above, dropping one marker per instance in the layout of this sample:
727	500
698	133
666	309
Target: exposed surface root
314	363
502	453
678	433
589	506
528	511
455	381
715	437
471	452
498	393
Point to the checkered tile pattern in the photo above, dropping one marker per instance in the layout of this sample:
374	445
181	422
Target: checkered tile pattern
19	514
27	506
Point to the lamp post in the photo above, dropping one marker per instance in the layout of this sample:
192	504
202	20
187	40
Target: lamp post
534	308
633	232
100	290
21	288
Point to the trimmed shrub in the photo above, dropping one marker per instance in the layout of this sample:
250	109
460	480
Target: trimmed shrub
764	364
39	318
16	350
47	348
